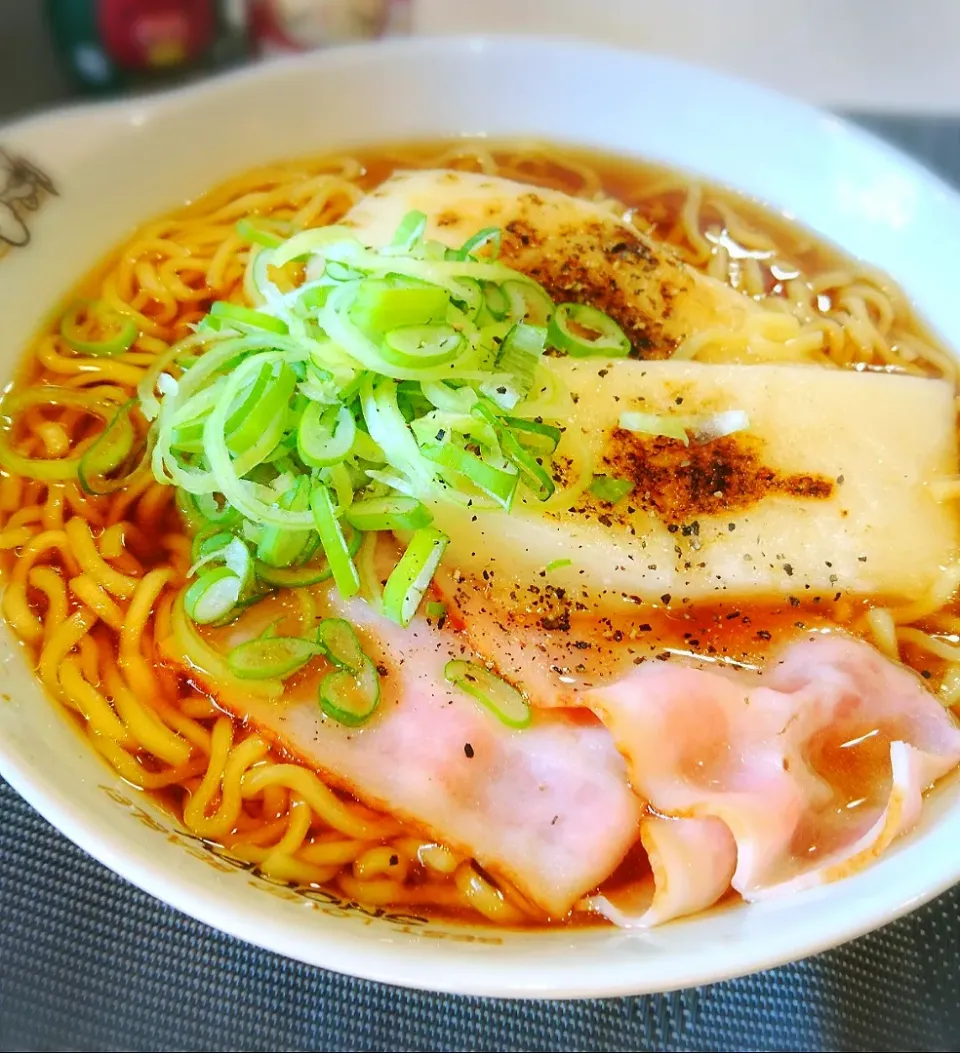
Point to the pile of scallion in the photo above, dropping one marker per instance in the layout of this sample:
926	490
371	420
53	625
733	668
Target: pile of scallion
339	403
359	385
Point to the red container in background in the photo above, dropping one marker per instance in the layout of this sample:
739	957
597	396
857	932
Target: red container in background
152	34
115	44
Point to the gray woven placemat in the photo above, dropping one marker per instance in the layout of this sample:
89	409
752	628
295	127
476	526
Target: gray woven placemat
89	962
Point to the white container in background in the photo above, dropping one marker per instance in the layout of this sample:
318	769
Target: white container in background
285	26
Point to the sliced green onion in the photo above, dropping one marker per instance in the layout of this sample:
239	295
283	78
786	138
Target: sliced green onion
351	698
272	656
535	477
53	468
583	331
532	430
519	356
422	346
271	630
703	428
492	236
341	272
213	595
496	300
655	424
293	577
279	547
267	232
410	231
495	482
192	648
340	644
412	575
610	488
469	298
388	513
246	316
213	510
529	302
437	611
125	331
305	571
557	564
229	550
325	436
255	438
273	419
381	305
503	699
111	450
334	544
207	542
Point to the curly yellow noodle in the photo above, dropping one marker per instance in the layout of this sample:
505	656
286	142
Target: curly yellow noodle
383	891
113	540
943	589
328	807
382	860
94	707
52	517
128	768
11	493
14	537
300	818
81	505
223	776
62	641
153	503
948	652
28	514
89	592
176	717
94	565
332	853
136	669
125	499
150	733
54	437
484	897
15	607
89	649
50	583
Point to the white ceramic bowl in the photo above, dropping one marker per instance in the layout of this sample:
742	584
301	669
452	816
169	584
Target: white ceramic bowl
116	165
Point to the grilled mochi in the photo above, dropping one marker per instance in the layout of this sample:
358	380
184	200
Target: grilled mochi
580	251
824	492
825	489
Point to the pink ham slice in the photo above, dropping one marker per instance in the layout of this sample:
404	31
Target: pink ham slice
549	808
706	744
692	860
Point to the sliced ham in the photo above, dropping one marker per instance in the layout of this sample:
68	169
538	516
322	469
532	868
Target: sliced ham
814	768
548	808
692	861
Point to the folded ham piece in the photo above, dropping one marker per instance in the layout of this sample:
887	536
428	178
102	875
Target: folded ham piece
548	808
814	768
692	862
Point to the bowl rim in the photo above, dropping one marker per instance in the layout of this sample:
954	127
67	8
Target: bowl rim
388	961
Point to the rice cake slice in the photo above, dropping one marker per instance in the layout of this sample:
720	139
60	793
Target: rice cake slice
579	250
826	492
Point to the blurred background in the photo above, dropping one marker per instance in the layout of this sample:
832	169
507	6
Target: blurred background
869	56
